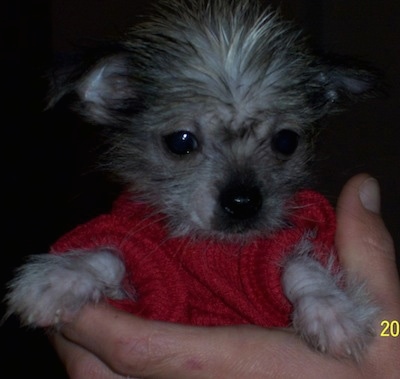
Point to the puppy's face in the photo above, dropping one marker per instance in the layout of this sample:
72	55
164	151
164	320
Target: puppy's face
212	108
213	167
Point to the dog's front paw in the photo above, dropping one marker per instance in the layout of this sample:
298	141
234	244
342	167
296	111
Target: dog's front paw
50	289
331	319
334	323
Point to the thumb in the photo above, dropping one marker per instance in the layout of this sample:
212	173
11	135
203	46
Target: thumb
364	244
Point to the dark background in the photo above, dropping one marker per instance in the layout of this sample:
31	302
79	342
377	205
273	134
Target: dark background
48	181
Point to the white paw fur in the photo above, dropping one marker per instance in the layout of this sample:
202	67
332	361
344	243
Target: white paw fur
50	289
333	320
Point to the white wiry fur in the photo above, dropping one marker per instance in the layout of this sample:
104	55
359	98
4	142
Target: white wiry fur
233	77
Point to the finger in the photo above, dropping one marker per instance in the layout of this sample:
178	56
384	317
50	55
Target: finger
141	348
129	345
78	362
364	245
132	346
366	250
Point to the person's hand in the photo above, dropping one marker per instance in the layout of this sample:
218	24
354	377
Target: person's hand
104	342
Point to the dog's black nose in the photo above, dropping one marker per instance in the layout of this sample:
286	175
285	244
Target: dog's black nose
241	202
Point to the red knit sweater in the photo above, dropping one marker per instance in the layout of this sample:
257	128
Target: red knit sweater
204	282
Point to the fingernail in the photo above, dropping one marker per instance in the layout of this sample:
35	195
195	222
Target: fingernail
369	194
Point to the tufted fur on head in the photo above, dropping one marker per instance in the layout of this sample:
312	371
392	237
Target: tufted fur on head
223	79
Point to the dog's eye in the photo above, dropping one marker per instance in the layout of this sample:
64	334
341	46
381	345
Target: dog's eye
285	142
181	143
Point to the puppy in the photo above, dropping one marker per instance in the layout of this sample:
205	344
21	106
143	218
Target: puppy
211	108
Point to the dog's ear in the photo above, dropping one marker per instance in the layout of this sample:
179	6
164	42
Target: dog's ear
106	92
337	84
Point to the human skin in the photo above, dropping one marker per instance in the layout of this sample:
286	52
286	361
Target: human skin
105	343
